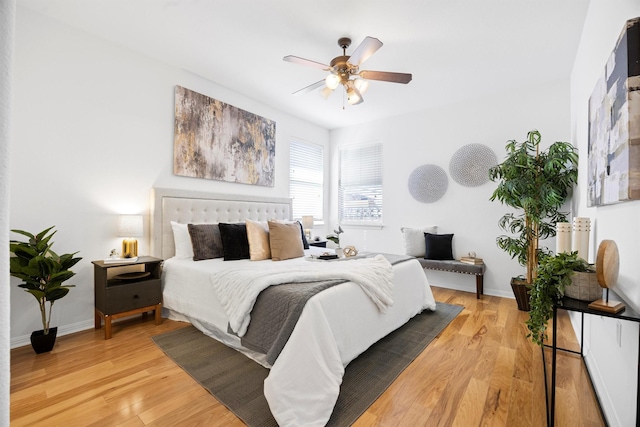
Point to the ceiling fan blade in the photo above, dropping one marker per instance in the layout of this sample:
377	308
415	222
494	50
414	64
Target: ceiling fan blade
308	62
310	88
386	76
368	47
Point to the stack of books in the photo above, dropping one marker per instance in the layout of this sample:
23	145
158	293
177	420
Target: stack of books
121	260
469	260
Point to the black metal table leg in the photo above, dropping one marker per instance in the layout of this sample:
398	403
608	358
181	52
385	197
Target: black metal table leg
554	350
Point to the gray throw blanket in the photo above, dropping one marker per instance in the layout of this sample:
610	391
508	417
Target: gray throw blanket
278	308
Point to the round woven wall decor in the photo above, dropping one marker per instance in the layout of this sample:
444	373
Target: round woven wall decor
469	166
428	183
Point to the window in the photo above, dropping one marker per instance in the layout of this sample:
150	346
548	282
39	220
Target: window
360	185
306	177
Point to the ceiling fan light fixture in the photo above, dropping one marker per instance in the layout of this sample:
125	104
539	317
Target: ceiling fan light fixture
325	92
353	95
332	81
345	70
361	84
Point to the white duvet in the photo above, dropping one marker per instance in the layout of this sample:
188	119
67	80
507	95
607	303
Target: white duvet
335	327
237	288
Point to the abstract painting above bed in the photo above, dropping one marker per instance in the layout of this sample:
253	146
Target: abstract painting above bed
214	140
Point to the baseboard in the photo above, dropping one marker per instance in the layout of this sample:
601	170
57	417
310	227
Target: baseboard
62	330
472	289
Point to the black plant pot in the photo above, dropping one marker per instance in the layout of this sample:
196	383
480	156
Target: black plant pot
521	291
42	343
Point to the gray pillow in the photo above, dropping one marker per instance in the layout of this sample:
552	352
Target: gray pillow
206	241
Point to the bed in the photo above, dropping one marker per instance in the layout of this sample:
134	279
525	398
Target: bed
335	326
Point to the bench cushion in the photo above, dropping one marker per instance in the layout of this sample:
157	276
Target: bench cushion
453	266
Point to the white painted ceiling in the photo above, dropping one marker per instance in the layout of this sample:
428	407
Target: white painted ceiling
455	49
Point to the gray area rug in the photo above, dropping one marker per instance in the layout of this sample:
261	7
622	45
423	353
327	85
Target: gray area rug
237	381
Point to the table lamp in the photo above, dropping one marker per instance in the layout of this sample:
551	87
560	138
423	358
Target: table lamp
307	224
130	227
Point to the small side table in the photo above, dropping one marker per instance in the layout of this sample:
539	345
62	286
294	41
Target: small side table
318	243
127	294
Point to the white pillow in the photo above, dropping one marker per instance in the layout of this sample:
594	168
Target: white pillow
182	240
414	239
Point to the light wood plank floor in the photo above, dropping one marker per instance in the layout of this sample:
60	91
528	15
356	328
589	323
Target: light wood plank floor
480	371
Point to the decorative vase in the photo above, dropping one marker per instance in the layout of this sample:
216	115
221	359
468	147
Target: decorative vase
521	292
42	343
584	287
340	252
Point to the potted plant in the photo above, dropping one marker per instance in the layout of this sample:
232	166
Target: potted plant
536	183
43	273
554	275
335	238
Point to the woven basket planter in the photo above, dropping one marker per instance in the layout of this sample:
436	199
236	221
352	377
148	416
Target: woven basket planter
521	292
584	287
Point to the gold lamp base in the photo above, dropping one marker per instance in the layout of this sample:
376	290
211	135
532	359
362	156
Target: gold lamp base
129	248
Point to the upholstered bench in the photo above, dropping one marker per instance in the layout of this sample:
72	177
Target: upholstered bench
457	267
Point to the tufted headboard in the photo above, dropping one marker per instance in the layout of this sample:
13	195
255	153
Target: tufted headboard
185	206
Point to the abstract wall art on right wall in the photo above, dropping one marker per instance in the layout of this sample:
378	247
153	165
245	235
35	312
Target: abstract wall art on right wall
614	124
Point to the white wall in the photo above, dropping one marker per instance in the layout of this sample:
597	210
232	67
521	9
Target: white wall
7	28
93	133
614	368
432	137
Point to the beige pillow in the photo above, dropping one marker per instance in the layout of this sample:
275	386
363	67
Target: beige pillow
285	241
258	236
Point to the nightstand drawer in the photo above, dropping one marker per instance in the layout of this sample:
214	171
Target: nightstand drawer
127	297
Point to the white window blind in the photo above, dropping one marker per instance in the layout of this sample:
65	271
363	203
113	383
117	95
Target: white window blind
360	185
306	179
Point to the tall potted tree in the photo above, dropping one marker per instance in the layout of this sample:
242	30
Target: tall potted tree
43	273
536	183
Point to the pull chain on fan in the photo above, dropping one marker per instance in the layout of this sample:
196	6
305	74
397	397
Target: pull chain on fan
345	70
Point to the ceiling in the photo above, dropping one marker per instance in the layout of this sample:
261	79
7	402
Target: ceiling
455	49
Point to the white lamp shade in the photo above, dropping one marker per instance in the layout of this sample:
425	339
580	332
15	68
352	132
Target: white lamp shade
353	97
332	81
130	226
307	222
362	85
325	92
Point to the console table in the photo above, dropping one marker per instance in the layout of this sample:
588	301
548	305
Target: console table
581	307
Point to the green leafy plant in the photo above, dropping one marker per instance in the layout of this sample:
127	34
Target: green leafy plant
335	237
537	183
553	276
41	270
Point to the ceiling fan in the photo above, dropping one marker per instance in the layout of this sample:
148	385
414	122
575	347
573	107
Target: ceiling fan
345	70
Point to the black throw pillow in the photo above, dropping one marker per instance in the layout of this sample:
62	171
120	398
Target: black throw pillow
235	243
305	244
438	246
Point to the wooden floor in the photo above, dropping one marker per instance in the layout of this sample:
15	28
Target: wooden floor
480	371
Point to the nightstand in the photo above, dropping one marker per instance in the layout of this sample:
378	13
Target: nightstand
318	243
127	293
